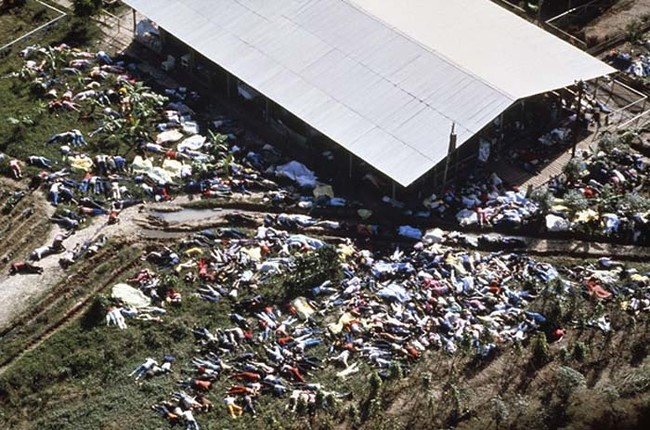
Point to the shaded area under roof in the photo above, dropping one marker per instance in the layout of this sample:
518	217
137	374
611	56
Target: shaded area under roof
385	79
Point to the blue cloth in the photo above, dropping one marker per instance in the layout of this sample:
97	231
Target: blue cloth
394	292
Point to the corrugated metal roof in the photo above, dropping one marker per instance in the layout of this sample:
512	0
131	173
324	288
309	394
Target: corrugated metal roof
385	79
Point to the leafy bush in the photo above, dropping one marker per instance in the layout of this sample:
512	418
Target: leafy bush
575	200
541	352
579	351
574	169
610	142
635	382
94	316
375	384
634	202
312	269
86	7
568	380
396	372
500	411
544	198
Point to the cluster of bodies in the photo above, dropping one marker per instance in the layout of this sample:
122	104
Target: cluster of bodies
107	93
605	180
487	201
637	65
178	158
389	309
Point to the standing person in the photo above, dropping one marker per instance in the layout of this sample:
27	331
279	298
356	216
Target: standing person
597	117
115	191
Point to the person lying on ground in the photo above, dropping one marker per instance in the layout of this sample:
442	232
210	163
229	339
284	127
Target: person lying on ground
113	217
143	368
74	137
185	400
171	413
252	390
41	252
248	405
156	370
197	384
190	421
39	161
206	404
24	267
65	222
92	211
298	396
63	104
231	406
114	317
16	172
68	258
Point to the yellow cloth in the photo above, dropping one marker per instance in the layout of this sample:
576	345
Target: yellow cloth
194	251
345	251
254	253
586	216
172	167
81	163
324	190
337	327
303	308
130	296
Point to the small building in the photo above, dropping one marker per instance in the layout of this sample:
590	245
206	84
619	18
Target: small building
385	80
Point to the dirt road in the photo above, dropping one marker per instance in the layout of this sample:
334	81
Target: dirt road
20	291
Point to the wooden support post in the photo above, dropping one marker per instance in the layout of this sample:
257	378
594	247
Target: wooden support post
501	132
350	166
452	149
393	189
134	23
576	128
266	110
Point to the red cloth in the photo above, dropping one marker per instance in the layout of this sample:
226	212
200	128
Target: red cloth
598	291
249	376
557	334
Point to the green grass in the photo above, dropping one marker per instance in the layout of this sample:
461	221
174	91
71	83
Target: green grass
35	125
70	291
78	378
18	21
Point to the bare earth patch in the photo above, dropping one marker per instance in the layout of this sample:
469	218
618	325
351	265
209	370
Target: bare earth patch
616	20
23	290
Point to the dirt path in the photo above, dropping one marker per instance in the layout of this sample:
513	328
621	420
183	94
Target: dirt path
21	291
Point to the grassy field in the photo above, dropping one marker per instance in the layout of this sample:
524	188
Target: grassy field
17	21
